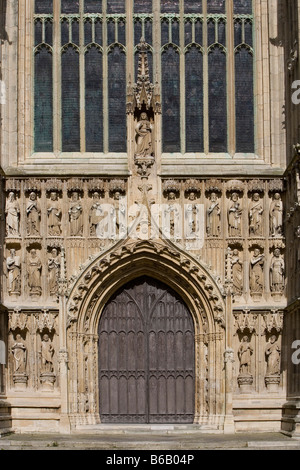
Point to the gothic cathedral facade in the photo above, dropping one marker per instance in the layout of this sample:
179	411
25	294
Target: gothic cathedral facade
150	223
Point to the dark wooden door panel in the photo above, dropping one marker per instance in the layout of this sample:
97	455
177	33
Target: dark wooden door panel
146	356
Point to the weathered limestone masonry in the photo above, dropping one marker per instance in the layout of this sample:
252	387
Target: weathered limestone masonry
74	230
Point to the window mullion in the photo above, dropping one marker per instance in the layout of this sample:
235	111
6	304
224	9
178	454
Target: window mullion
105	80
182	79
57	115
230	78
82	76
205	81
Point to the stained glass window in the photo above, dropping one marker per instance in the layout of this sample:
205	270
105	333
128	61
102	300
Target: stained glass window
81	74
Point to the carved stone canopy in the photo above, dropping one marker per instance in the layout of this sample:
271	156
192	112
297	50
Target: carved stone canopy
143	93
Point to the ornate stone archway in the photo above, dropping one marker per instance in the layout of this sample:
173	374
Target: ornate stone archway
93	288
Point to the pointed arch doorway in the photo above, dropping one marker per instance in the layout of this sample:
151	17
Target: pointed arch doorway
146	356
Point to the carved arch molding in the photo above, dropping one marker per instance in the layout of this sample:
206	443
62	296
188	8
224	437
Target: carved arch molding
102	277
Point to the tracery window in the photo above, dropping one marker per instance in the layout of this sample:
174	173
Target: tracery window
201	52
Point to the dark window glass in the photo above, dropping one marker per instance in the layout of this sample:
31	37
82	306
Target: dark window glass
65	26
88	36
193	6
211	32
169	6
199	32
244	101
138	32
216	6
117	100
43	106
175	32
93	101
142	6
171	100
165	32
69	6
217	101
44	6
111	32
115	6
188	28
70	101
248	33
194	100
243	7
75	32
38	31
122	32
93	6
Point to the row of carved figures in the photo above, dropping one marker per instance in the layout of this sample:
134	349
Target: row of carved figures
244	353
20	355
273	359
54	214
256	272
76	220
34	272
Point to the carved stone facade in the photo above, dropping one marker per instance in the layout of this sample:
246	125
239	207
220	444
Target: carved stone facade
221	231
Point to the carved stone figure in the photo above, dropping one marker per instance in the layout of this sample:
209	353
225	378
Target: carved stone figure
34	268
255	215
12	211
47	352
276	216
277	272
54	215
273	357
13	264
244	354
118	217
75	216
19	352
54	271
95	214
33	211
234	216
144	130
213	217
256	272
237	273
171	218
192	211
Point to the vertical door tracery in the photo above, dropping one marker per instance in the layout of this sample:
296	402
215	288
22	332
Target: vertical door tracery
146	356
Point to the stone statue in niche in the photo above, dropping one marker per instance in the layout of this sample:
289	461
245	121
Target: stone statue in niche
47	352
171	218
13	264
276	216
19	352
54	215
34	268
96	214
257	272
244	354
144	129
12	211
235	216
192	212
273	357
33	211
277	269
118	213
54	272
213	217
75	215
237	273
255	215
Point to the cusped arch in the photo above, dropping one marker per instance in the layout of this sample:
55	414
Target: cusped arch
103	276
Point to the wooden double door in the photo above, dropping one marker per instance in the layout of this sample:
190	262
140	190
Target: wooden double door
146	356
